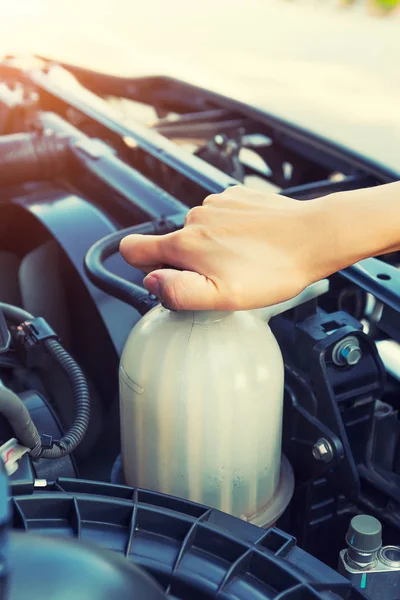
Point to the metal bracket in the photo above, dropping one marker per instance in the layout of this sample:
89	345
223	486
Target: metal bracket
319	389
382	280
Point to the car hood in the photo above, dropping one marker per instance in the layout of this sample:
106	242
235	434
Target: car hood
333	73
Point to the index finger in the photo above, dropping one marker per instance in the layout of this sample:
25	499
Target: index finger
141	250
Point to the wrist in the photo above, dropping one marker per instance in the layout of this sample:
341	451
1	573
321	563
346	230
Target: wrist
347	227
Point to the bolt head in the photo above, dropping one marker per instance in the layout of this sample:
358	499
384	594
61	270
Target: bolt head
347	352
322	450
351	354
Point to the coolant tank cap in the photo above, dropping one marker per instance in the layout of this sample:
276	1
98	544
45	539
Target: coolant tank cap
365	534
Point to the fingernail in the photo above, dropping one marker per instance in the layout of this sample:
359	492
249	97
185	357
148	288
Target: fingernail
152	285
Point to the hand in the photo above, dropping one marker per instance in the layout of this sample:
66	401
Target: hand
240	250
244	249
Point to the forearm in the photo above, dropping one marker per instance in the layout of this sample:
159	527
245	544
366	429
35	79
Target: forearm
350	226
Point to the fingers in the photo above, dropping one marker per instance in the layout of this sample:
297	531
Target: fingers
150	268
143	251
184	290
148	252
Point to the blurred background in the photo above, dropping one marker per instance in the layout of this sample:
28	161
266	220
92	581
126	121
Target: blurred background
329	65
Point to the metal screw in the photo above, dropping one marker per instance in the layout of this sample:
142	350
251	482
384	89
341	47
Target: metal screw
322	450
219	139
347	352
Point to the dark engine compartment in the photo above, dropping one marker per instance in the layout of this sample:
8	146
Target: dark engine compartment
76	164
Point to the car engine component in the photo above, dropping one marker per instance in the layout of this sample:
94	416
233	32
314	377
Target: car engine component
191	550
75	177
77	570
367	562
223	417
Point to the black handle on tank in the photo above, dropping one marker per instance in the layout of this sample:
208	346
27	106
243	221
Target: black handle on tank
113	284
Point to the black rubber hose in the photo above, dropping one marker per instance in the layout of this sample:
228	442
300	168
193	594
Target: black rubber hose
78	382
14	314
111	283
16	413
81	396
32	156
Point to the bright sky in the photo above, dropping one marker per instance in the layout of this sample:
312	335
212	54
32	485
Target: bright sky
333	70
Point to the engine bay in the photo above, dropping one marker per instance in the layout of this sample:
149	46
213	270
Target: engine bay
85	157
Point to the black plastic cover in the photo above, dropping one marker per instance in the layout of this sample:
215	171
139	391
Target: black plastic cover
47	567
43	566
193	551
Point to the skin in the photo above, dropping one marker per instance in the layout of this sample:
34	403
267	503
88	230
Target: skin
244	249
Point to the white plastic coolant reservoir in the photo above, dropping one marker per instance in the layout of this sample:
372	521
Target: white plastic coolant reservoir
201	397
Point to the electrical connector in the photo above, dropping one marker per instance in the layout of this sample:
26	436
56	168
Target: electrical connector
30	336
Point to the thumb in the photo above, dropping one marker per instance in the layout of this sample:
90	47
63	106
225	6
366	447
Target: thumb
183	290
